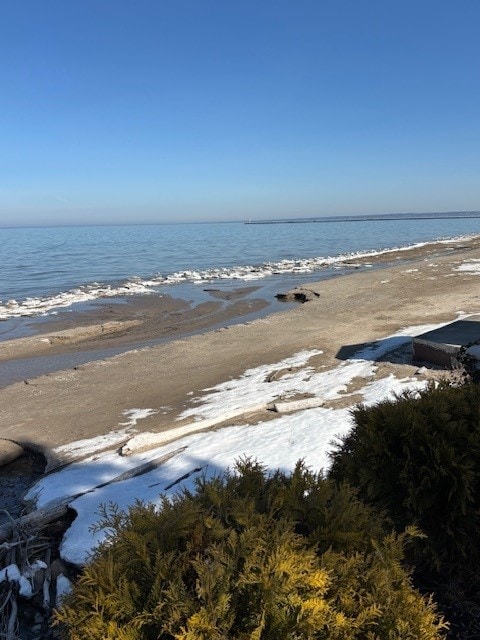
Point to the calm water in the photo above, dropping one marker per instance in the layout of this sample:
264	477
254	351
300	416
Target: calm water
47	268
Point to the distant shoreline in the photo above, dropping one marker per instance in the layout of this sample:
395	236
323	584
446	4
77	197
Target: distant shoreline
411	215
368	218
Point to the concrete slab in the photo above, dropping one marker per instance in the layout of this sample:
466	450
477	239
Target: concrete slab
440	346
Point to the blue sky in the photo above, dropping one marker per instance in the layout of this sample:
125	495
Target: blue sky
171	110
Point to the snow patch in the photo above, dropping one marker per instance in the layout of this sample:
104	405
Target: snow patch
469	267
86	447
63	588
134	415
12	573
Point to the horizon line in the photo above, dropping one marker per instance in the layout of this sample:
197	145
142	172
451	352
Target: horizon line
346	217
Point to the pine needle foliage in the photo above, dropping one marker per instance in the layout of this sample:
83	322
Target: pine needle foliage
418	458
247	556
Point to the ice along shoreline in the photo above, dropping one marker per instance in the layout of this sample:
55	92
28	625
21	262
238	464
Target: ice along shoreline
41	305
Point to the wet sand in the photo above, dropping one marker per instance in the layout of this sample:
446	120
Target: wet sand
131	321
350	310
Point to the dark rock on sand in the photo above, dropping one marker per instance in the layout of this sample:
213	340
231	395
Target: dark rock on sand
299	294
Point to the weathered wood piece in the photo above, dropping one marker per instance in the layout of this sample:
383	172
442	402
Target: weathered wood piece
297	405
149	440
47	581
9	451
36	519
58	508
12	621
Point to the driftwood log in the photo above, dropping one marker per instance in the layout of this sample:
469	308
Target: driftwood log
56	509
150	440
9	451
21	542
297	405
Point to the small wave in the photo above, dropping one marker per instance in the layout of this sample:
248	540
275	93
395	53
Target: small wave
48	304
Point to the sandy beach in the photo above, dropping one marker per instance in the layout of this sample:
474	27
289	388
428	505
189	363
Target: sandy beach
347	312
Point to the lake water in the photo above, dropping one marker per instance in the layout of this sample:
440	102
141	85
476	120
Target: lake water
44	269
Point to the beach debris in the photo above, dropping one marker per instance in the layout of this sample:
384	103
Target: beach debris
33	579
297	405
450	343
422	371
26	592
47	581
150	440
36	520
9	451
278	373
299	294
57	508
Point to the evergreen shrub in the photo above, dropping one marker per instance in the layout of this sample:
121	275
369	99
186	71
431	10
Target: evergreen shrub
418	458
249	556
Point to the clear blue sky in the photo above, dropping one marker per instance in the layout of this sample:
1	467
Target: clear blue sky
161	110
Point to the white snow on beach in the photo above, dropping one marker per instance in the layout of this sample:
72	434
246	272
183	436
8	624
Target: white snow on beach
134	415
277	443
91	445
469	267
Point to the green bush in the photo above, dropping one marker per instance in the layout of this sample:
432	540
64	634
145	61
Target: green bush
247	556
418	458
